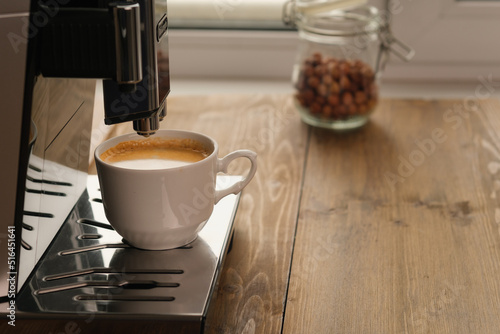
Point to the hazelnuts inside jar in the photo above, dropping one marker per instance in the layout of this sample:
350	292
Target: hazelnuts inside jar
336	89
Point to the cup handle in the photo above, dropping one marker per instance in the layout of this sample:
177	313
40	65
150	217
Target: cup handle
238	186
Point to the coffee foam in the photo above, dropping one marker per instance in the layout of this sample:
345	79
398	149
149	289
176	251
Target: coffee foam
155	153
149	164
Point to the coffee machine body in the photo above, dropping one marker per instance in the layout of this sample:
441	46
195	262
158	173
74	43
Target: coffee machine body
62	266
53	54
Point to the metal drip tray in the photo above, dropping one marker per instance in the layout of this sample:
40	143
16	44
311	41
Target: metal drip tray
89	270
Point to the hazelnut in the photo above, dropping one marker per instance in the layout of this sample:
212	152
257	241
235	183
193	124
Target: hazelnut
344	83
334	88
327	110
367	72
313	81
322	90
359	97
362	108
315	108
335	72
308	71
320	100
356	76
352	109
344	68
347	98
333	100
319	70
327	79
341	110
373	90
371	104
308	96
316	57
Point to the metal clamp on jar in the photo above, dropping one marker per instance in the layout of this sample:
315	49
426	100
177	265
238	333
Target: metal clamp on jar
343	48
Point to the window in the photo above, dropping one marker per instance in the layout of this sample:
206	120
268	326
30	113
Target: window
452	39
229	39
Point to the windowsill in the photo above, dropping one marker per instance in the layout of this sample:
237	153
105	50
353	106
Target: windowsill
388	89
228	54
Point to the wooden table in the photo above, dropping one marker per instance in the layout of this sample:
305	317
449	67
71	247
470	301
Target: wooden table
394	228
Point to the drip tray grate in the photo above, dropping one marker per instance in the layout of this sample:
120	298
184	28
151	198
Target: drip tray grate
88	269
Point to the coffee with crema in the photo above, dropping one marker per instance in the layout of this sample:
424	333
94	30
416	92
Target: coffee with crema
165	208
155	153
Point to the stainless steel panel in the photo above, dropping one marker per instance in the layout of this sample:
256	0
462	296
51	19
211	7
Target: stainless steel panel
89	271
58	163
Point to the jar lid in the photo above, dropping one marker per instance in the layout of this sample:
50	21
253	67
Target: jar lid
324	17
350	21
320	6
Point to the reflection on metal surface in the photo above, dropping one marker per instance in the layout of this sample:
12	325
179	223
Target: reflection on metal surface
56	183
56	176
101	297
111	271
108	285
27	227
25	245
102	276
90	236
38	214
45	192
91	248
95	223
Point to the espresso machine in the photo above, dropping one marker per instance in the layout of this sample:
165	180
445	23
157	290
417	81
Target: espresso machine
62	266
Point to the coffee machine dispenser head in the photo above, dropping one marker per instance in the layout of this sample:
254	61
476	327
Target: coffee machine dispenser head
124	43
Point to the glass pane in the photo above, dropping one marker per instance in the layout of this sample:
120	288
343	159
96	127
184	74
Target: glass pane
226	14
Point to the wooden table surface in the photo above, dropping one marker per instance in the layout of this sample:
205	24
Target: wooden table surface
394	228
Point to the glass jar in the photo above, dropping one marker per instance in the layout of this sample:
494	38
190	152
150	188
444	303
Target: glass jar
340	57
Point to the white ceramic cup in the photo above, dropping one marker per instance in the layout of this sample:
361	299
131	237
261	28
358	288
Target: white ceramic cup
160	209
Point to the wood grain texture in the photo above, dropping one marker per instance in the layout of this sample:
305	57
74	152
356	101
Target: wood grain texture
394	228
398	230
253	285
252	289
